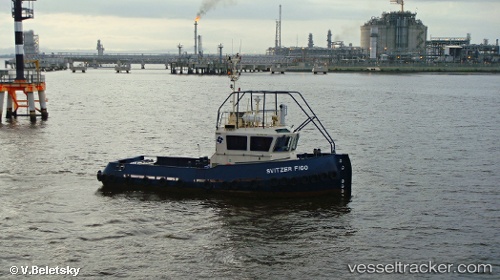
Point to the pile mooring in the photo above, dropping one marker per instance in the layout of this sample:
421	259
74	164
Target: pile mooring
25	81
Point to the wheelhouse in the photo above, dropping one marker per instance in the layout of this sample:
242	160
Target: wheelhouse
259	132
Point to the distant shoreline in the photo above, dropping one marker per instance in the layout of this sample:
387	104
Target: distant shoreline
405	69
388	68
417	69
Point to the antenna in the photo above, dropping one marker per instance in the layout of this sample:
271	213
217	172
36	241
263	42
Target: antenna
399	2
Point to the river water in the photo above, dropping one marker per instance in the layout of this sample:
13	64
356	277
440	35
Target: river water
426	170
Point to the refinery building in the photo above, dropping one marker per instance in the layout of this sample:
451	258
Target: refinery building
394	33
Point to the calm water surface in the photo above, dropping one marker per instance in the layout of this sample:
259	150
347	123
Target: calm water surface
426	175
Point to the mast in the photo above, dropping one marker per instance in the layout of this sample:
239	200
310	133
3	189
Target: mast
234	74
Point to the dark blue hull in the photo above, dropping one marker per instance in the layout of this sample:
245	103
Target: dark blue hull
309	175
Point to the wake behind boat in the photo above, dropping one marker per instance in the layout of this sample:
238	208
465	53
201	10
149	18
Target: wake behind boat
255	154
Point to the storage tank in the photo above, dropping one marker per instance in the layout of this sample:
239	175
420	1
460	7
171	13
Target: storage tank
396	32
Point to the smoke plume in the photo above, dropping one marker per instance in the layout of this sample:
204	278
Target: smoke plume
208	5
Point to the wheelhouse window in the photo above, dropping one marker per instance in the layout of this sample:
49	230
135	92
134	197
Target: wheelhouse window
238	143
260	144
282	144
295	141
286	143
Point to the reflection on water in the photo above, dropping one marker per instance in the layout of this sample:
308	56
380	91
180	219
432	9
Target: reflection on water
238	235
330	203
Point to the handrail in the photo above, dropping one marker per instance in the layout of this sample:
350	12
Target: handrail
31	78
296	96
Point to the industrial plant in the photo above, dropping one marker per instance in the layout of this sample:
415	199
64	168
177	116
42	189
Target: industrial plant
393	33
395	37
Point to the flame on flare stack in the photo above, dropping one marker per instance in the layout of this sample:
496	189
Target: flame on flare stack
206	5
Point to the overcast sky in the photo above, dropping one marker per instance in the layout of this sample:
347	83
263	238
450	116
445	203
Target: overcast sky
160	25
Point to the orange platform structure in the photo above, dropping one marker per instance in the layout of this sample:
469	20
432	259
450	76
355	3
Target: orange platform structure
20	95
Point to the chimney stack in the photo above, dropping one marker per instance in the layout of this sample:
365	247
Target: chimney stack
195	37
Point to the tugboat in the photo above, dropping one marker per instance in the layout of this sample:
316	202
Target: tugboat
255	154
